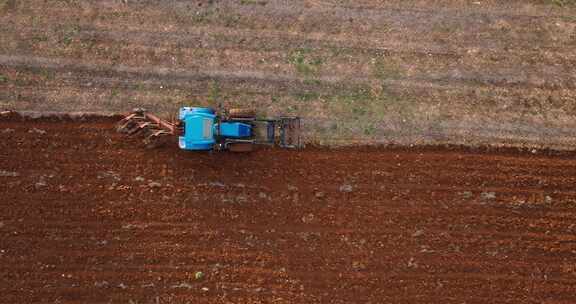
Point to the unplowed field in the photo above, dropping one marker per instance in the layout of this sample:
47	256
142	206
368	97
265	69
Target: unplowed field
395	71
88	216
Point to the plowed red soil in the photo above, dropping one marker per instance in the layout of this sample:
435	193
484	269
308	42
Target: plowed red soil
87	216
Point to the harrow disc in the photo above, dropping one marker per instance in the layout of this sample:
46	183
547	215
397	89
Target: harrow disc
156	139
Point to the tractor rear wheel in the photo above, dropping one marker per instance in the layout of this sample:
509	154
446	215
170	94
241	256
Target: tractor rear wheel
240	147
241	113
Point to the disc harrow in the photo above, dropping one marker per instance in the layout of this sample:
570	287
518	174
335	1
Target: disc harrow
155	131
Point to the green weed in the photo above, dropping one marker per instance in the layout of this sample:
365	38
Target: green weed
8	5
193	17
361	111
114	93
292	109
336	51
445	28
563	3
312	82
3	79
385	69
355	96
74	3
369	129
39	38
304	62
47	74
307	96
214	93
253	2
68	34
139	86
231	20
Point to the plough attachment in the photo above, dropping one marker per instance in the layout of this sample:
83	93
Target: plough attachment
156	131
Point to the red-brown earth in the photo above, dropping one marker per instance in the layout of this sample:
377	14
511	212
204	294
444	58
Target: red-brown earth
87	215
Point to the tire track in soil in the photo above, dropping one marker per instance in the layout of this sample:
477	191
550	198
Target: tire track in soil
258	82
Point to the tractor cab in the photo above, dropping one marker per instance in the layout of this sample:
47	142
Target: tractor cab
203	130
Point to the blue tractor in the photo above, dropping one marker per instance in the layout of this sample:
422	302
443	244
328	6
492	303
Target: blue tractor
203	129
